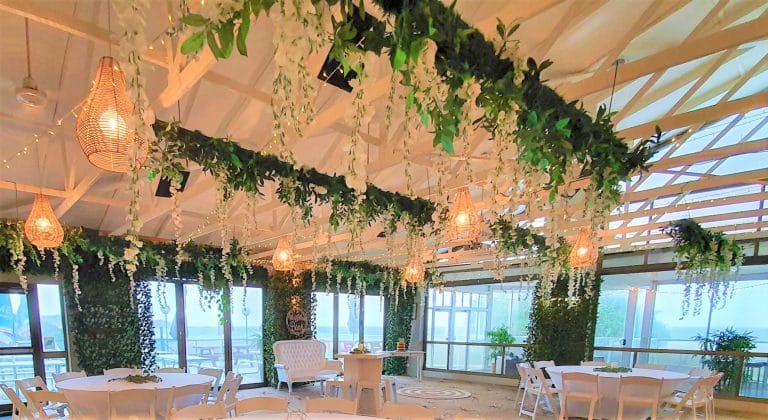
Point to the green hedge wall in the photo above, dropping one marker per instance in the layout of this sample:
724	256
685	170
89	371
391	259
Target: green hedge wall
398	320
560	332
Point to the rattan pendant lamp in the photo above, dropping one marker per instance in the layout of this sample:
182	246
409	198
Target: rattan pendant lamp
102	124
282	259
463	220
42	227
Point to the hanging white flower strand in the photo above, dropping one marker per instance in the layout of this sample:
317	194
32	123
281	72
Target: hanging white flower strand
18	259
174	188
76	285
222	214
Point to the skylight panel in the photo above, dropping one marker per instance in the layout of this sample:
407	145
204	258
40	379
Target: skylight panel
743	163
710	211
685	178
730	222
722	193
654	180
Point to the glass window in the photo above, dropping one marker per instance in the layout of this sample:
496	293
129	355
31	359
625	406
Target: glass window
54	366
14	320
247	318
15	367
164	320
611	317
373	317
349	322
51	321
324	321
204	331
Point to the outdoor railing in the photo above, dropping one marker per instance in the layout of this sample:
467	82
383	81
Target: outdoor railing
746	374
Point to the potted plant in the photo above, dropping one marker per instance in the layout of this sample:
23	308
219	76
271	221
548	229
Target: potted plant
726	340
499	335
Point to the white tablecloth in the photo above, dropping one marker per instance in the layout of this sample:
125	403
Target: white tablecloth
608	388
310	416
90	394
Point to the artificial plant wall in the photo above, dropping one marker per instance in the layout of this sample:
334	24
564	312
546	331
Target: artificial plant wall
398	320
563	329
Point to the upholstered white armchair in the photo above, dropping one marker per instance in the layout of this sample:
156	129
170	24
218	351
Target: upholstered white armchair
302	361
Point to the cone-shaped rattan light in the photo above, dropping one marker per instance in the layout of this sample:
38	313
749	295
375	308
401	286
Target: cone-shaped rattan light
583	253
42	227
463	220
414	271
282	259
102	125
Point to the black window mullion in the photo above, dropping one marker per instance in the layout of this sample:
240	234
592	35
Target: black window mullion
360	320
335	324
227	294
35	333
181	326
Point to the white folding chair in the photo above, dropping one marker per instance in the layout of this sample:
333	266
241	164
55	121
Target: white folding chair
138	403
61	377
230	399
697	397
523	380
329	405
650	366
595	363
544	364
18	410
578	386
33	384
187	395
223	389
640	391
85	405
201	411
536	385
47	404
253	404
406	412
121	372
215	374
171	370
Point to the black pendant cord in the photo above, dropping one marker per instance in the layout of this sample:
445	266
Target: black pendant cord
613	87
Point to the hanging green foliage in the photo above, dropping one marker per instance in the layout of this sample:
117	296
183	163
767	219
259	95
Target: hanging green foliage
299	187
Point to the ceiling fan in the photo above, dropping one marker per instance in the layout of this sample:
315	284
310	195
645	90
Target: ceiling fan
28	94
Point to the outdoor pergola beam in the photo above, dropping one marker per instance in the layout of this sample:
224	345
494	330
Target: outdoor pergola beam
701	115
77	193
683	53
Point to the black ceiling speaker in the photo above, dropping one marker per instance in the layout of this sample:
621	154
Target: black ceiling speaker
332	72
164	186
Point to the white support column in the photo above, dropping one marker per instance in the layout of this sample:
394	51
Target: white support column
629	326
645	332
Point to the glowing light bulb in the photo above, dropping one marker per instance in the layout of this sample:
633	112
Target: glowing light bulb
283	255
112	124
582	251
462	219
43	224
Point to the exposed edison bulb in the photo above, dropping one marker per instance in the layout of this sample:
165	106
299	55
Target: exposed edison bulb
112	124
283	255
582	251
43	224
462	219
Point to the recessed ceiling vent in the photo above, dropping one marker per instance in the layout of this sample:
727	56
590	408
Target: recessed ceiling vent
164	186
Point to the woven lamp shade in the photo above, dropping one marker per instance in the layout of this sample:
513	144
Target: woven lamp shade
463	220
583	253
42	227
414	271
282	259
102	125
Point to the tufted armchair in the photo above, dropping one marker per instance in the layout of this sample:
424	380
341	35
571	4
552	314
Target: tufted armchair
302	361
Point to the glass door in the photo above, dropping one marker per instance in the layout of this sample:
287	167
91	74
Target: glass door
204	338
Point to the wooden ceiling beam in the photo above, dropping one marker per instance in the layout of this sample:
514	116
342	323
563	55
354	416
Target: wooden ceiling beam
683	53
77	193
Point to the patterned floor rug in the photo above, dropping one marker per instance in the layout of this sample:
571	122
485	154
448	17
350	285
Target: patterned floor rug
429	393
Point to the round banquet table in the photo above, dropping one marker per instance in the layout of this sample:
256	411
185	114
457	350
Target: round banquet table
90	394
608	388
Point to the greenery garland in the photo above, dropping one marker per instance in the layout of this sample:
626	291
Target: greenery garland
704	258
300	187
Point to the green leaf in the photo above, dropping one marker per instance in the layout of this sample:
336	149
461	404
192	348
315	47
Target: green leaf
398	59
242	32
500	29
425	118
447	142
194	19
410	99
151	175
236	160
533	119
561	124
193	44
227	38
214	45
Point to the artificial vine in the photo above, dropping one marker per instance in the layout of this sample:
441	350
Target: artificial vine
706	261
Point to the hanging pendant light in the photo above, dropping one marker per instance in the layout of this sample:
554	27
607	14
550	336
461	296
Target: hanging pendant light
463	220
583	252
414	271
282	259
103	123
42	227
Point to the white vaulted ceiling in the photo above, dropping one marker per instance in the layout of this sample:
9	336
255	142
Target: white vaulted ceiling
698	69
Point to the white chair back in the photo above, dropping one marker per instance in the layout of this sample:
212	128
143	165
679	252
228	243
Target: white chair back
213	373
581	383
640	391
299	354
201	411
595	363
544	364
121	372
170	370
329	405
38	401
521	372
406	411
188	395
61	377
19	410
231	396
83	405
700	372
650	366
139	403
250	405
